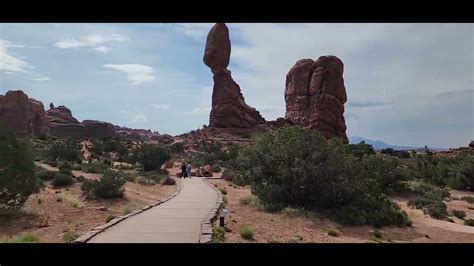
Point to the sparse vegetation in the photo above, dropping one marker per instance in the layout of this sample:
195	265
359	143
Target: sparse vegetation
110	218
24	238
333	232
215	168
246	233
459	214
69	237
251	200
62	180
169	181
107	187
45	175
469	222
218	235
223	190
469	199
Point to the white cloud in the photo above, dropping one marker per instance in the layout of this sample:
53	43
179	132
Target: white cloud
41	79
162	107
10	63
136	73
199	111
124	112
95	42
139	119
195	30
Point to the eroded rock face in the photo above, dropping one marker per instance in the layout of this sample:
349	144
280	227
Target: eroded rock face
228	104
471	144
315	95
98	129
23	115
63	124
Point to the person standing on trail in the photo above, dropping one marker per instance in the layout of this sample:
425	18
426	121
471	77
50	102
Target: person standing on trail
188	169
183	170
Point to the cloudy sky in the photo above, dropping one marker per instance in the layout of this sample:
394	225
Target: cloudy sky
407	84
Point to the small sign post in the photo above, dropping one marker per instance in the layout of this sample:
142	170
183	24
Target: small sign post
222	215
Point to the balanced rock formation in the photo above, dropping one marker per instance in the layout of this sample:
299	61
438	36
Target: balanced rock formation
471	144
315	95
229	109
98	129
23	115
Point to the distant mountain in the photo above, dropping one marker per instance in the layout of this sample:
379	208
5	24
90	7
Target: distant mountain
378	145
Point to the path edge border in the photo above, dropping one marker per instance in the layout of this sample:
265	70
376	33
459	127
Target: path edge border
101	228
206	225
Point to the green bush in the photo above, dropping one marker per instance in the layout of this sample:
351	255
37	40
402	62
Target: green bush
52	163
107	187
24	238
17	172
215	168
69	237
298	167
152	157
333	232
45	175
169	181
76	167
246	233
469	222
62	180
218	235
177	148
65	152
223	191
144	181
469	199
80	178
359	150
294	212
459	214
251	200
110	218
94	168
430	203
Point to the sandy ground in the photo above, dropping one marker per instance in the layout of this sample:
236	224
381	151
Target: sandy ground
51	213
278	227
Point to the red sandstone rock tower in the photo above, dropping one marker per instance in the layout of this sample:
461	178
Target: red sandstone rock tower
315	95
229	109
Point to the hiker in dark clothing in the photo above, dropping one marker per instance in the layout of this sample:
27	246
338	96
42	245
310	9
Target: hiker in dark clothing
183	170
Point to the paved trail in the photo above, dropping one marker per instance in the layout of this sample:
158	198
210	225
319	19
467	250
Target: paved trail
175	221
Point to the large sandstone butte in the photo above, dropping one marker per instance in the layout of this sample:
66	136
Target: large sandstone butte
23	115
315	95
229	109
63	124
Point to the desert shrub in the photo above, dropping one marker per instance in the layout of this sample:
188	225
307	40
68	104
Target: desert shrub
215	168
218	235
177	148
52	163
169	181
430	203
129	177
45	175
62	180
94	168
294	212
65	152
110	218
246	233
152	157
251	200
360	149
459	214
65	171
469	199
42	136
225	201
377	234
17	172
69	237
234	176
144	181
80	178
76	167
223	191
297	167
469	222
24	238
107	187
333	232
